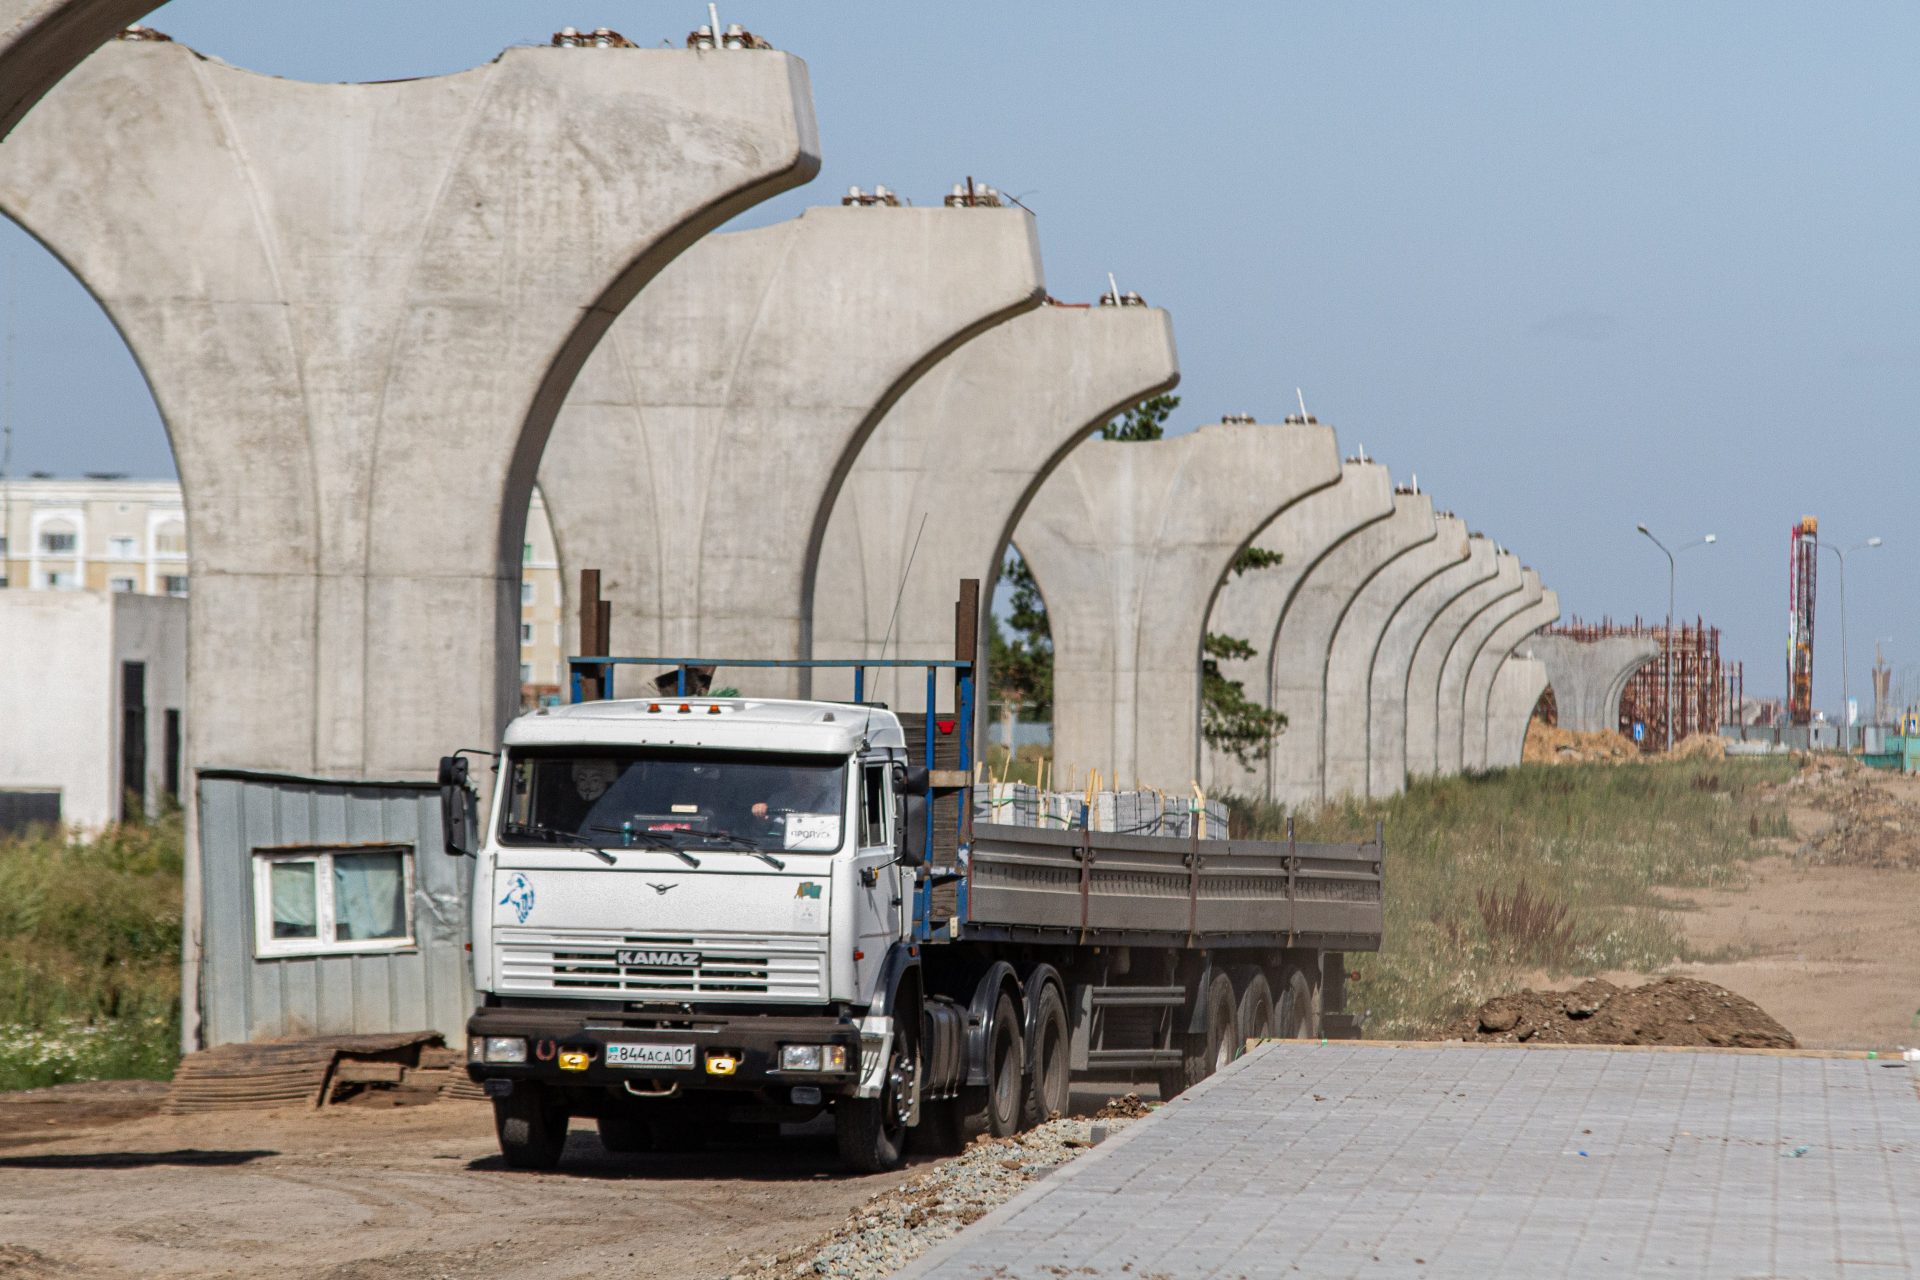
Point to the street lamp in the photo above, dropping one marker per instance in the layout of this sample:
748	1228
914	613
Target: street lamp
1846	727
1666	657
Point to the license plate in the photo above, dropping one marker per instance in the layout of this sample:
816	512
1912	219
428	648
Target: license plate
674	1056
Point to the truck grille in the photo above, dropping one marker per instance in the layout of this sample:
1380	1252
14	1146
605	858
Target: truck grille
680	968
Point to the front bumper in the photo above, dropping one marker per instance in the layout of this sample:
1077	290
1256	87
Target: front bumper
752	1043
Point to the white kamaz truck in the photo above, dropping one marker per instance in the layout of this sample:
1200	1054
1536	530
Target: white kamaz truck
696	913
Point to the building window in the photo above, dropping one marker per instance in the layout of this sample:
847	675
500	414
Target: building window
68	581
3	544
526	633
170	540
121	548
58	542
526	553
121	586
526	673
309	901
526	593
174	584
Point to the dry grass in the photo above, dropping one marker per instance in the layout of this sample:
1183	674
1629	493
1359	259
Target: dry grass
1555	867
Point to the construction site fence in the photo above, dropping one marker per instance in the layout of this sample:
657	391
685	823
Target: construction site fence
1142	813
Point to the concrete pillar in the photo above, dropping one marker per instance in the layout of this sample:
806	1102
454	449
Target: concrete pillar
1129	542
1508	636
964	451
1588	676
1459	665
696	461
359	307
1430	657
1387	705
1516	691
1304	641
42	40
1250	605
1357	647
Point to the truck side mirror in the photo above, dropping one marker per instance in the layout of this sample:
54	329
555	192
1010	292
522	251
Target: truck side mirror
913	782
459	816
913	842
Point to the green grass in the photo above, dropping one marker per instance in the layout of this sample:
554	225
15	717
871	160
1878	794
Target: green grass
90	954
1543	867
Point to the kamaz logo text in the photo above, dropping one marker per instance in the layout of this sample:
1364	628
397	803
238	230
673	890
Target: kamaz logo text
659	959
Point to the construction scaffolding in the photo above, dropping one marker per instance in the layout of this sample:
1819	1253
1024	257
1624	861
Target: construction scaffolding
1707	693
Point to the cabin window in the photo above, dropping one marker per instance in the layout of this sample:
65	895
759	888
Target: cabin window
875	829
314	901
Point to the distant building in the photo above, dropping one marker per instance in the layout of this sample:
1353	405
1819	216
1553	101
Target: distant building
92	689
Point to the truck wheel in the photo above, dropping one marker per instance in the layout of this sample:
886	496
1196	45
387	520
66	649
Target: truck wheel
623	1132
1006	1063
531	1124
1257	1019
872	1132
1224	1041
1049	1081
1298	1014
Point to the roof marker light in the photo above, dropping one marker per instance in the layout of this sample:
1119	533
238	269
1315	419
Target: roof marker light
684	708
714	710
653	706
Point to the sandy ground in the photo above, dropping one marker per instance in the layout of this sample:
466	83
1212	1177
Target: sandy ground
93	1184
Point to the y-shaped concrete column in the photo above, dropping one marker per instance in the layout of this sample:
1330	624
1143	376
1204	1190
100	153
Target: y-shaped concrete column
1430	658
1304	641
701	447
1588	676
1387	705
1486	665
1128	542
965	450
359	307
42	40
1250	605
1516	691
1459	665
1357	645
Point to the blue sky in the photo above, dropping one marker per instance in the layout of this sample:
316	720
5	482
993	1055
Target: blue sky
1577	267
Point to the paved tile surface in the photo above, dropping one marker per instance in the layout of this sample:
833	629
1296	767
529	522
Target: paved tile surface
1349	1160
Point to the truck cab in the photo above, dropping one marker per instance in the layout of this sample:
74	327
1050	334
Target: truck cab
691	913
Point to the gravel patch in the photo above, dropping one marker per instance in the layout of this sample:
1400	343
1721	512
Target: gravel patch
897	1226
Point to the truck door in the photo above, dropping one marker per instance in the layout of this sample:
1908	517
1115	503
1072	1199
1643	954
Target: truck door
877	898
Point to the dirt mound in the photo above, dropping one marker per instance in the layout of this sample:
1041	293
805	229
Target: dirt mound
1700	746
1672	1011
1550	744
1871	828
1124	1108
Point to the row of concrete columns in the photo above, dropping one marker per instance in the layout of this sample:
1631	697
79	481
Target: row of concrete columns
371	314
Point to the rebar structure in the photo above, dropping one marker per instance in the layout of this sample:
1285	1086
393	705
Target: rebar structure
1802	552
1706	692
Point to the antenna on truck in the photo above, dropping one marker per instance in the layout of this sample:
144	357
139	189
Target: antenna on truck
898	595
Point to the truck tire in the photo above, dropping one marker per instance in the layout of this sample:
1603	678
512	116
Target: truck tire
1224	1041
871	1133
1258	1021
1006	1070
1297	1013
622	1132
1049	1077
531	1124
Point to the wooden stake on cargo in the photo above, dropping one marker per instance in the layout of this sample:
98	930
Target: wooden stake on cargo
590	632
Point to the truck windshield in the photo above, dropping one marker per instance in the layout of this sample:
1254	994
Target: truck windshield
617	797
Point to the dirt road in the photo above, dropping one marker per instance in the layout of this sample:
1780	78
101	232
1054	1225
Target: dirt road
360	1193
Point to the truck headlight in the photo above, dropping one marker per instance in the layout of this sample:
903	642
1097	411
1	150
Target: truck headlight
506	1049
813	1057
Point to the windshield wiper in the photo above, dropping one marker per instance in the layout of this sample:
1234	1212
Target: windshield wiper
729	840
654	840
540	830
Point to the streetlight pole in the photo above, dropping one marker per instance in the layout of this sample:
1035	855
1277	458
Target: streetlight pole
1666	657
1846	726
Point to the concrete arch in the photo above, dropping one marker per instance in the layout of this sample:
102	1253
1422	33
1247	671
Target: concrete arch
1388	716
1305	640
967	448
1251	606
1131	541
1357	648
1589	676
357	306
42	40
1430	657
692	460
1508	636
1516	690
1459	666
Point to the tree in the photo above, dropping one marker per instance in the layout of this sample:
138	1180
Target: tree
1145	421
1021	653
1229	720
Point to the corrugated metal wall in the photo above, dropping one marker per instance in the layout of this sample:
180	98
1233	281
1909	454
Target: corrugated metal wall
426	987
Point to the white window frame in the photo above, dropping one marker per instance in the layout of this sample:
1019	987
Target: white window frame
882	768
526	594
123	547
121	585
268	947
167	581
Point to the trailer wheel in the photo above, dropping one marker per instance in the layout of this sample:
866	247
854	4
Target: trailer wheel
1224	1041
1006	1063
531	1124
622	1132
1298	1014
1257	1018
1049	1079
872	1132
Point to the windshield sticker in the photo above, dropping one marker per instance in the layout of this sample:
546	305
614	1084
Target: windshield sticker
519	896
818	831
